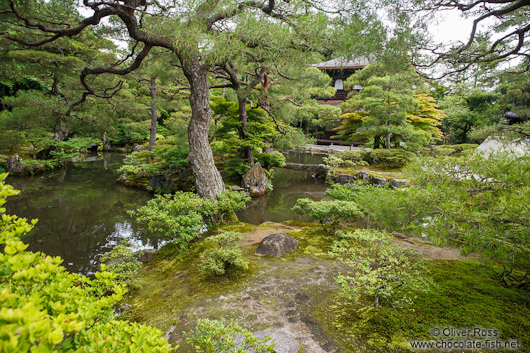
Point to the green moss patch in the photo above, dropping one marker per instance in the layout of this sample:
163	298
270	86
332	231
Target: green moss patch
297	293
467	294
275	293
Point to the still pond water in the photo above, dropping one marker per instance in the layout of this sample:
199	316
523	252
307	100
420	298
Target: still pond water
82	211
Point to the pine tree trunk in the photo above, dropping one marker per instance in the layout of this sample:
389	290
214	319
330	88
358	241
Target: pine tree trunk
208	181
243	132
154	117
377	141
388	135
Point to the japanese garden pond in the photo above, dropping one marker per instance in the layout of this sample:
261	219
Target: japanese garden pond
82	211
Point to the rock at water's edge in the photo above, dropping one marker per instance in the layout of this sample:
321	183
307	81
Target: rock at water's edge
255	180
364	176
344	179
161	182
277	245
15	165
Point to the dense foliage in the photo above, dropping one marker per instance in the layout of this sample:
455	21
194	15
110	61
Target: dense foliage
47	309
167	159
375	267
122	261
184	215
329	213
214	336
388	110
224	257
475	202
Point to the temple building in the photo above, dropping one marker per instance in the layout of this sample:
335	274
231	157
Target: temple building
339	70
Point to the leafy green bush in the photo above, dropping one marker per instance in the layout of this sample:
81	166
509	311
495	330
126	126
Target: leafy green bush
226	204
225	256
47	309
294	138
375	267
214	336
335	161
476	203
163	159
76	144
271	160
3	159
329	213
391	158
345	192
236	167
184	215
354	156
11	139
452	150
387	208
181	216
122	262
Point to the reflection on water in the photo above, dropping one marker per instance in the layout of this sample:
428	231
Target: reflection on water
82	212
289	186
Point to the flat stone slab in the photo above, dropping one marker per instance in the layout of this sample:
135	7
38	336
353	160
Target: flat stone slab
284	343
277	244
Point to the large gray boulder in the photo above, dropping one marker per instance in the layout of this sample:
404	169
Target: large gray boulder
379	181
161	182
277	245
15	165
498	145
283	343
344	179
397	183
364	176
255	180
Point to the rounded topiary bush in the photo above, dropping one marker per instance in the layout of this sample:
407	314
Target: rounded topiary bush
354	156
391	158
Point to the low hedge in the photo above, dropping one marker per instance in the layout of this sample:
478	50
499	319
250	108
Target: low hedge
391	158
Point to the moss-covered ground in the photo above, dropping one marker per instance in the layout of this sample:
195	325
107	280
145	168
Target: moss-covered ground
297	294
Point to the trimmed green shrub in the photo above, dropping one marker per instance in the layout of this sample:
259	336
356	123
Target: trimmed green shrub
166	158
387	208
452	150
236	167
224	257
354	156
391	158
329	213
271	160
335	161
184	215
